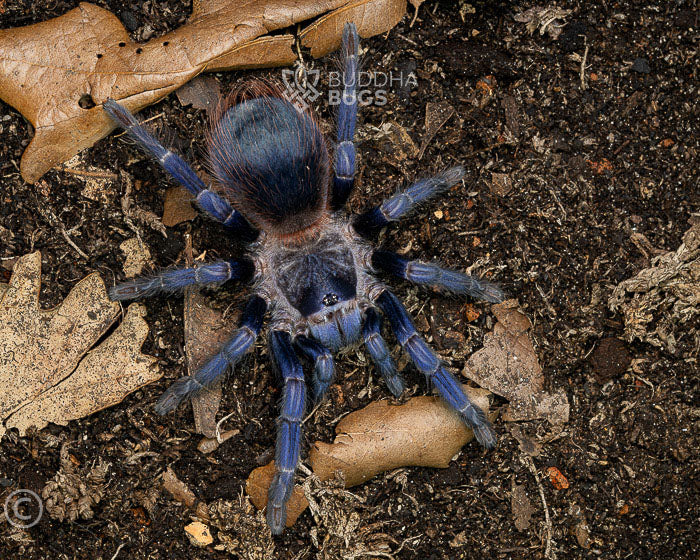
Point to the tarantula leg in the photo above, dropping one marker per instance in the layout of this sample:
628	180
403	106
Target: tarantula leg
288	429
429	364
210	202
228	356
347	118
179	278
433	275
403	202
378	351
323	364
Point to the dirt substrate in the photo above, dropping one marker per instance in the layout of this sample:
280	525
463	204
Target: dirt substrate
588	169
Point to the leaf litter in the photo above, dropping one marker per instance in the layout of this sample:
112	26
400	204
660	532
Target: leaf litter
50	368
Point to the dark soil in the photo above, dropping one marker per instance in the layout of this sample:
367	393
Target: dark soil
589	167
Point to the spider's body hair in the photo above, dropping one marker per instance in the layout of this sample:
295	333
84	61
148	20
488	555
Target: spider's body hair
271	161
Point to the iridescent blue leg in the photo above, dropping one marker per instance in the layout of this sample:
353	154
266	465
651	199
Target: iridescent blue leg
402	203
288	429
429	364
209	201
378	351
323	364
178	279
241	341
438	277
347	117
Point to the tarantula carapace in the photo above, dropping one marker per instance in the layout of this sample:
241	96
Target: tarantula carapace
311	265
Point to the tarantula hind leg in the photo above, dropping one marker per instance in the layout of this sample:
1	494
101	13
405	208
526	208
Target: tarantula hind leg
170	281
378	351
431	274
288	429
322	359
429	364
228	356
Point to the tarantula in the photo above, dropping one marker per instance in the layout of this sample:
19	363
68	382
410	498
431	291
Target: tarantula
311	265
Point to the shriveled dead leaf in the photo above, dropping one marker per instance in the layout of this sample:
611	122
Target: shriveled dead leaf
423	432
58	73
548	20
242	531
661	300
258	484
45	374
507	365
436	115
74	492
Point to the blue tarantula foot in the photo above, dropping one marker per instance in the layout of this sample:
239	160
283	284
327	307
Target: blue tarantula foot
174	395
489	292
484	433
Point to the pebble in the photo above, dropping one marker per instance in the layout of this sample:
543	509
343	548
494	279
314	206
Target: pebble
641	65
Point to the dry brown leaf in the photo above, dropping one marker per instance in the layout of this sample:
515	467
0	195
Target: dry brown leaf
136	256
258	484
520	506
177	207
204	92
178	489
58	73
436	115
206	332
45	374
507	365
423	432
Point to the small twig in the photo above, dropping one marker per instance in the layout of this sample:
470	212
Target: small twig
56	222
548	522
218	425
85	173
117	552
142	122
583	66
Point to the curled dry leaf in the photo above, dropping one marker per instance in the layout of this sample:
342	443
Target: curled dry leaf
45	374
507	365
58	73
423	432
177	207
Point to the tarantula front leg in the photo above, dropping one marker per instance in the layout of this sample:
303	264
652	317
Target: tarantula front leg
347	118
241	341
323	364
378	351
178	279
209	201
429	364
288	429
433	275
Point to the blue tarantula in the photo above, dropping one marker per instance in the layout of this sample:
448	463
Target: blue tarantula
311	265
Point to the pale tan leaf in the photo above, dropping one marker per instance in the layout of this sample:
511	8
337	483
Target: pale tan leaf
45	374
